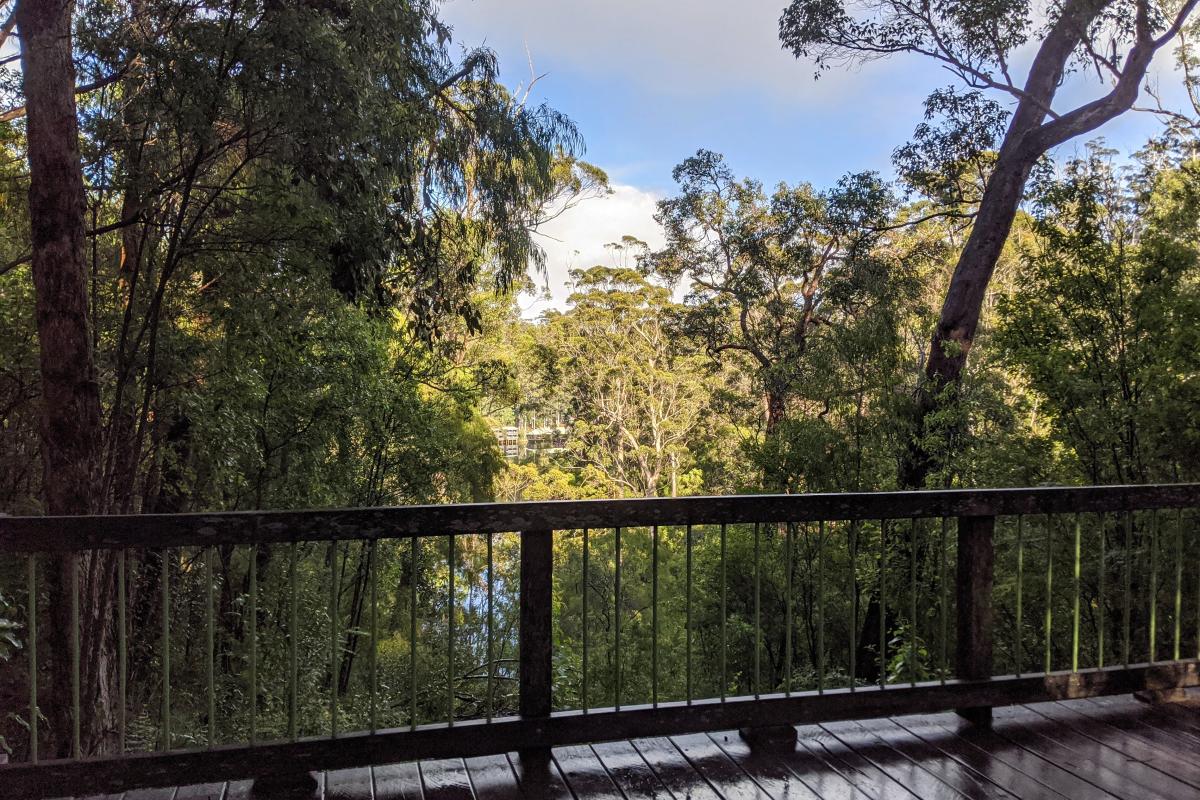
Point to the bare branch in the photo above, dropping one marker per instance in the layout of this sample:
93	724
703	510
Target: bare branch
99	83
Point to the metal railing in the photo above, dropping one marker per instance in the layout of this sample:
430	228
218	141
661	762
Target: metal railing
678	615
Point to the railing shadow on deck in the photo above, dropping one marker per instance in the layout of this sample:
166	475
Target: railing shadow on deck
923	563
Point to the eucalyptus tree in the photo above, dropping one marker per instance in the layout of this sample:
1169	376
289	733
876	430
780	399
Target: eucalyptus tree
982	44
777	284
636	404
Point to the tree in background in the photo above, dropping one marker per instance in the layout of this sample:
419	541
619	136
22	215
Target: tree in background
799	290
637	406
1104	325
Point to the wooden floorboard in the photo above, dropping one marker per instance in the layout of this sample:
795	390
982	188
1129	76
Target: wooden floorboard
895	765
349	784
1091	763
1143	764
1112	748
209	791
539	777
1039	767
943	767
630	772
726	777
861	771
585	773
492	778
764	767
675	771
984	763
446	779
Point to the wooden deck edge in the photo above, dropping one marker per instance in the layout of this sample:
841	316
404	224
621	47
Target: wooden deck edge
476	738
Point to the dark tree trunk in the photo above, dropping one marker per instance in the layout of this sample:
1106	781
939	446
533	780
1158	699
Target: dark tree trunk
959	320
70	424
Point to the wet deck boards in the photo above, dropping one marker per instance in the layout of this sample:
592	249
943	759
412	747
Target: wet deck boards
1104	748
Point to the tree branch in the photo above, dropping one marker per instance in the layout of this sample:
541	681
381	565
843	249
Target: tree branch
99	83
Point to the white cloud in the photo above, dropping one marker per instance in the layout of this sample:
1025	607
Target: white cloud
680	47
578	237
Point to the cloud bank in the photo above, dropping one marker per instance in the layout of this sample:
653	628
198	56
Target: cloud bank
577	239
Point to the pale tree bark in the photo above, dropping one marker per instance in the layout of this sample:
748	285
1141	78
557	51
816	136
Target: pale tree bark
70	423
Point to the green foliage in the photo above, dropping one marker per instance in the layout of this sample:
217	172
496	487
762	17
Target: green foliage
1104	325
800	290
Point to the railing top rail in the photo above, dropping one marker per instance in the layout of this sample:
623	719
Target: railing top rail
59	534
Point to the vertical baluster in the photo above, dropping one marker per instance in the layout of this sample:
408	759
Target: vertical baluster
373	653
585	592
944	600
123	649
724	611
853	604
1075	614
688	580
491	626
536	674
210	640
450	547
787	635
334	637
617	621
1103	579
414	546
821	606
975	580
654	616
912	576
1128	602
882	603
32	612
1178	583
75	707
1049	618
253	632
293	642
1153	586
165	562
1197	606
1017	645
757	613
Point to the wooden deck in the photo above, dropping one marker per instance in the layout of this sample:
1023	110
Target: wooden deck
1103	748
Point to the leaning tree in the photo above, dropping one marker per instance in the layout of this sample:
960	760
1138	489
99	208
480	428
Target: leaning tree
982	43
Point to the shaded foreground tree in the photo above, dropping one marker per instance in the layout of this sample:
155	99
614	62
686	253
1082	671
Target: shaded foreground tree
70	416
254	227
977	43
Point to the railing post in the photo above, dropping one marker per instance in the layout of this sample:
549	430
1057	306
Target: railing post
975	576
537	564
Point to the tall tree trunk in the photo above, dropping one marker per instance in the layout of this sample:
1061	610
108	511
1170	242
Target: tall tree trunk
961	310
70	423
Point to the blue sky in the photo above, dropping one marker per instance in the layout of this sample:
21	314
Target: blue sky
649	82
